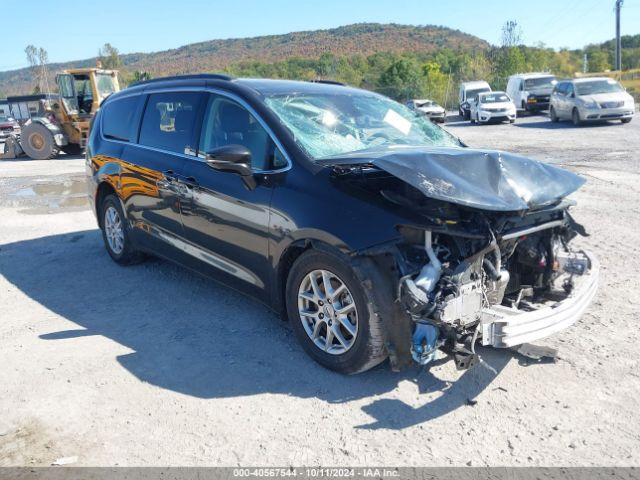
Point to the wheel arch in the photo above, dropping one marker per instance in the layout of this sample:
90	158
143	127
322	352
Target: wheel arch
104	189
289	255
375	270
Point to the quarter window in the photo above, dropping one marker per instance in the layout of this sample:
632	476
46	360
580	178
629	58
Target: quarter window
117	118
169	120
229	123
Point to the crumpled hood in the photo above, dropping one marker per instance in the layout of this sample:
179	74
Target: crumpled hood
483	179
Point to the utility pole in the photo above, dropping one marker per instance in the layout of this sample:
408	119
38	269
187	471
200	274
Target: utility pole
618	40
585	64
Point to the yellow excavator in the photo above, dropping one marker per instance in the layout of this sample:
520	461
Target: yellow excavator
64	125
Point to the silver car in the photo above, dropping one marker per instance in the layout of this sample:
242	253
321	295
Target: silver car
428	108
591	99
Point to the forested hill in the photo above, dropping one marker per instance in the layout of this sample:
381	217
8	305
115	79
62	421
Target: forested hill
214	55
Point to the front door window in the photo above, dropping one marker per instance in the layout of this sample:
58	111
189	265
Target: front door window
228	123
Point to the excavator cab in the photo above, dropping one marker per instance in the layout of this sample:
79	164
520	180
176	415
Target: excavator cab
65	124
83	90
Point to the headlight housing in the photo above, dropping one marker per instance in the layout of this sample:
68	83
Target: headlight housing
589	104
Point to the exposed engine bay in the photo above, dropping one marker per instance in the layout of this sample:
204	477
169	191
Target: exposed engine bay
467	274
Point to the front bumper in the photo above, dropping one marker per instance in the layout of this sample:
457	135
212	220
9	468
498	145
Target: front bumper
595	114
537	102
435	116
504	327
485	116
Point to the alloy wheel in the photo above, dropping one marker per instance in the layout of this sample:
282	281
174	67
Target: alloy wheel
114	230
328	312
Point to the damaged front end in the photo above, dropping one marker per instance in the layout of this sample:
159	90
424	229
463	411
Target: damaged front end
517	288
492	263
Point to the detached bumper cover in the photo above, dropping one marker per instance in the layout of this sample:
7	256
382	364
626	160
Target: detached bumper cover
504	327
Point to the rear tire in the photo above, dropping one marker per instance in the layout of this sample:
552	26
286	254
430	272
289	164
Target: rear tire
37	142
575	117
366	347
116	233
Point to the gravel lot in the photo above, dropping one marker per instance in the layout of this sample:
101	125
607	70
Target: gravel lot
153	365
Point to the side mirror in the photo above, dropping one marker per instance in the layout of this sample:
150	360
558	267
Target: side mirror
235	159
230	158
573	95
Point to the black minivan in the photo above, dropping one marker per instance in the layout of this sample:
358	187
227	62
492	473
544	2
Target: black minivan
375	232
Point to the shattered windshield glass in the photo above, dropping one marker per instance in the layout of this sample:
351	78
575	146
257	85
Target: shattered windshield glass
330	125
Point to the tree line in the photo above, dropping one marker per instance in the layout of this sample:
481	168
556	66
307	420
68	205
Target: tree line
408	75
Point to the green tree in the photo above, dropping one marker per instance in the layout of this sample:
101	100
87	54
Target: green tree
109	57
435	82
508	61
402	80
598	61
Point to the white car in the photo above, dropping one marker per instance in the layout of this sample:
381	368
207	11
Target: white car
591	99
429	108
492	106
469	91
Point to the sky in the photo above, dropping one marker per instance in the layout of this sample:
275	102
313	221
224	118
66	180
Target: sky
153	25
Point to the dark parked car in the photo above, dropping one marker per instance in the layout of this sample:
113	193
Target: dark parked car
9	126
375	232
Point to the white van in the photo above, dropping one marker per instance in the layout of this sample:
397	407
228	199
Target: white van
468	92
531	91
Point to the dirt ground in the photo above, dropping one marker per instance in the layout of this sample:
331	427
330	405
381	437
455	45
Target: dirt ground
153	365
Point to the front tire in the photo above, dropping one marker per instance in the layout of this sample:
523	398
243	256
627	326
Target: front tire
553	116
625	120
116	234
332	313
37	142
575	117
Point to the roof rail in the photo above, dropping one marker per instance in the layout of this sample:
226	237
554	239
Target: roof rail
328	82
195	76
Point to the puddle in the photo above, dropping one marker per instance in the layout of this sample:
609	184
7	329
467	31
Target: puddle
45	195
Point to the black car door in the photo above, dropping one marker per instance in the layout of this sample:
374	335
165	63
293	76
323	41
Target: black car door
226	220
151	173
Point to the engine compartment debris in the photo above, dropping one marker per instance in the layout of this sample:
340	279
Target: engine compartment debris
486	254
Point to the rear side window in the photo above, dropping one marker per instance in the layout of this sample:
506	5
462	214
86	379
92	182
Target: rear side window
168	121
117	118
